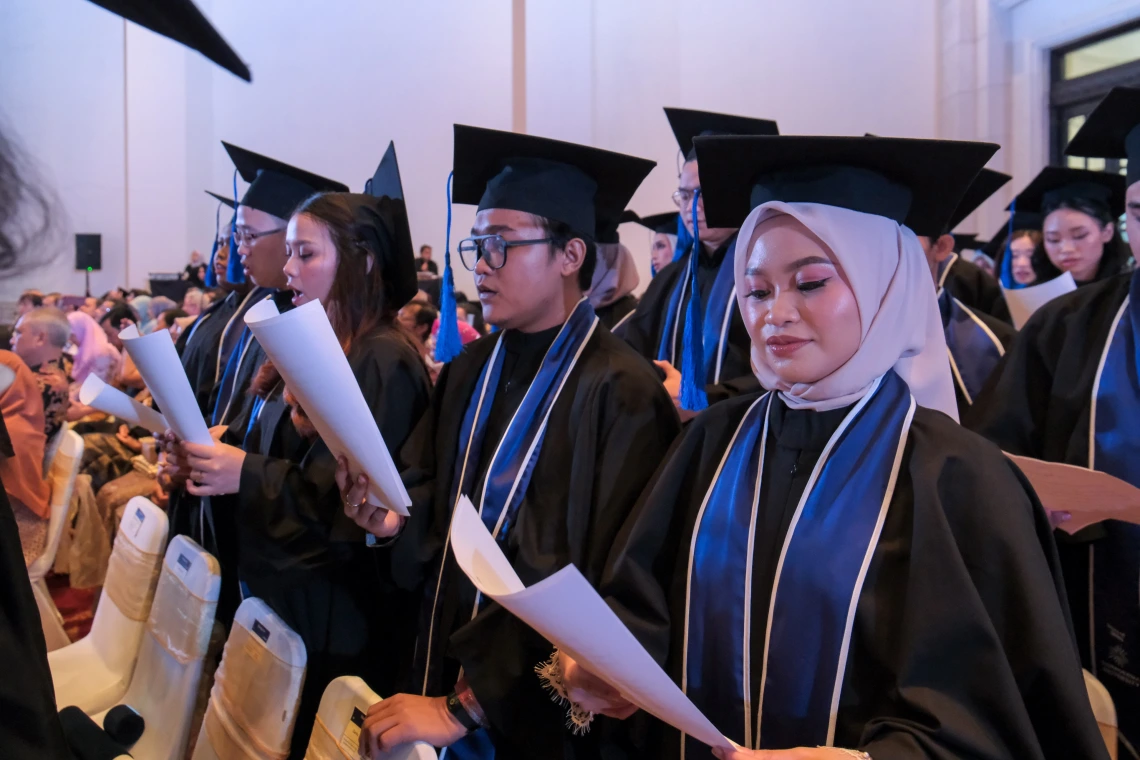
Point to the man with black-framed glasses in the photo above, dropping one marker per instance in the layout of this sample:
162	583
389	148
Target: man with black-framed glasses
552	427
660	328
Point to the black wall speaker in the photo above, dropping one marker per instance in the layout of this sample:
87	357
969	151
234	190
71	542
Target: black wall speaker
88	252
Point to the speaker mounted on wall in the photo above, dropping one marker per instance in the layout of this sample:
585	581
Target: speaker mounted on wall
88	252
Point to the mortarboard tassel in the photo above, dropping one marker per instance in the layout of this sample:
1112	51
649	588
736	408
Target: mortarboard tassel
211	278
693	396
1007	280
234	271
447	343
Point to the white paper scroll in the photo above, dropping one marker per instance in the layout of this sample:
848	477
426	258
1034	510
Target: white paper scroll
570	614
308	355
162	371
1024	301
1090	496
98	395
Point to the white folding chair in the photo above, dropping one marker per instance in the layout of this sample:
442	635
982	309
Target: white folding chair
253	704
336	732
62	473
93	673
164	686
1105	712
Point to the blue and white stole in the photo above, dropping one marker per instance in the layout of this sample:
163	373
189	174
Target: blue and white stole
823	563
717	318
974	349
1114	447
511	466
224	403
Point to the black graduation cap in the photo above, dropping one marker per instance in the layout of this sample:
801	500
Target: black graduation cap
1022	220
275	187
181	21
1056	184
610	234
918	183
666	222
1112	130
687	124
965	242
984	185
382	217
585	188
222	199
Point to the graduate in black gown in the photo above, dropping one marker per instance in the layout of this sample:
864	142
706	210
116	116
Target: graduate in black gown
975	339
1017	250
552	426
662	327
664	247
837	563
275	190
298	550
615	278
1069	391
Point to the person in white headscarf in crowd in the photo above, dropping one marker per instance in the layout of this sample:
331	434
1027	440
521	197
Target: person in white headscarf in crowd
835	568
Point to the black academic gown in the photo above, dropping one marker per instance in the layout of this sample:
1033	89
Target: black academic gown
976	288
1005	334
29	723
961	645
617	311
643	330
607	432
305	558
1039	401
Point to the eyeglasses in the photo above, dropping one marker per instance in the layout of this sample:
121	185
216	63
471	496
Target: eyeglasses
491	248
245	236
683	198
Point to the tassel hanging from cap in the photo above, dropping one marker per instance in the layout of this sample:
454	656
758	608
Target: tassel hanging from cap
693	397
447	342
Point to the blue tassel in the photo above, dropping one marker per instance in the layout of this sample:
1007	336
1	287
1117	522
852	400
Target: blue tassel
447	343
211	278
234	272
1007	280
693	397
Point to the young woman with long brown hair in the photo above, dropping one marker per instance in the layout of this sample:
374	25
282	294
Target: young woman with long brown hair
298	550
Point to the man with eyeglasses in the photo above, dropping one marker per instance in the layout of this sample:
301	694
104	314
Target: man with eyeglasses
275	189
552	427
660	328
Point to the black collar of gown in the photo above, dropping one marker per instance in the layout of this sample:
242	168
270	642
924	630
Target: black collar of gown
804	429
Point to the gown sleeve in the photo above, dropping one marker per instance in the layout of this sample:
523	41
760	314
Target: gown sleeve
288	499
624	432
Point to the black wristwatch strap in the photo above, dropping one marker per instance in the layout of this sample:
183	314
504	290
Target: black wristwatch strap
456	708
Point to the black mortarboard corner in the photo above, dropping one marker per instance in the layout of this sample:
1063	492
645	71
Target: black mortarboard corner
688	124
918	183
965	242
1056	184
181	21
609	236
1112	130
665	223
276	187
211	278
382	218
984	185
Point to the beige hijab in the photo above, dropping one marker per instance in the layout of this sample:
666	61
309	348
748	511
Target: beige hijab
901	325
615	275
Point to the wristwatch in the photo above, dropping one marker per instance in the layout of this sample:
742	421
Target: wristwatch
456	708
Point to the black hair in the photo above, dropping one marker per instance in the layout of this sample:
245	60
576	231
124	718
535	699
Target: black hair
422	247
561	234
1114	258
35	299
117	313
426	315
170	315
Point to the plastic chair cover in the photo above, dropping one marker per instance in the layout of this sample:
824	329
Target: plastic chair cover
336	732
63	471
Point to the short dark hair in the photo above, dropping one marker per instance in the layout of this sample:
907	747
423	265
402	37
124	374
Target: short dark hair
170	315
425	245
117	313
425	315
35	299
561	234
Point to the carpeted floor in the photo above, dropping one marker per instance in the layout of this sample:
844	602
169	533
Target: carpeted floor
76	605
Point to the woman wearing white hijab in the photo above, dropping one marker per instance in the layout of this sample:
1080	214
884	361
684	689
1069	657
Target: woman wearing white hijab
837	568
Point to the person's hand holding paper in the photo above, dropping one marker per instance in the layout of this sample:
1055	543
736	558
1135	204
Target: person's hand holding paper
1088	496
305	350
570	614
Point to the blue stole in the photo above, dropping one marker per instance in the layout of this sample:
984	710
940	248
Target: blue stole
1115	561
824	561
220	413
974	349
718	313
511	466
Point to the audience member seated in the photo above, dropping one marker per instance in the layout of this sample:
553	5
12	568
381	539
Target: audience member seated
173	321
94	354
23	473
29	299
53	299
113	322
192	302
40	337
157	305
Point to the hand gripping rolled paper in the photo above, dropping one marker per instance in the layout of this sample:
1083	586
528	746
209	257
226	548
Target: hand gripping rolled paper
98	395
309	357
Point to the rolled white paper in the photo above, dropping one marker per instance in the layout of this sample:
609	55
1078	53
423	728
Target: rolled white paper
98	395
1024	301
306	352
161	370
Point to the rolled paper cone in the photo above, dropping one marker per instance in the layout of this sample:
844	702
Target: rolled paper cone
98	395
162	371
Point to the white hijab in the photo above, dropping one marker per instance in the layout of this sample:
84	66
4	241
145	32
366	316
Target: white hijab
900	322
615	275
